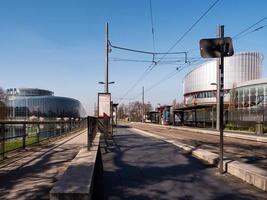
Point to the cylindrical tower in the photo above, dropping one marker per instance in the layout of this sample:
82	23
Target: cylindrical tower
239	68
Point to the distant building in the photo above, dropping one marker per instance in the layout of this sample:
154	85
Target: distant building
199	87
245	93
33	103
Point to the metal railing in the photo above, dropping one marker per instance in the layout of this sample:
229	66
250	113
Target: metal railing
19	134
95	125
92	129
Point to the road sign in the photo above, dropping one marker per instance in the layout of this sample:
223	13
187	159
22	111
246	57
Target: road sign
104	105
216	47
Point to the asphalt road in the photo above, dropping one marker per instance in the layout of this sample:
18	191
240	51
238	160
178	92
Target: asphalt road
142	168
33	174
250	152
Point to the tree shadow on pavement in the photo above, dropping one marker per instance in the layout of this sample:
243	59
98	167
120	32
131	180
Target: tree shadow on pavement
34	179
141	168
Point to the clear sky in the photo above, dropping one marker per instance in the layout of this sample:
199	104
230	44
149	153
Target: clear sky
59	44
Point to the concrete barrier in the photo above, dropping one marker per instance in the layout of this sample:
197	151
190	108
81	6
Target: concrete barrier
77	181
207	156
248	173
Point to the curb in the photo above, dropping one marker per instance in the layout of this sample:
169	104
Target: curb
248	173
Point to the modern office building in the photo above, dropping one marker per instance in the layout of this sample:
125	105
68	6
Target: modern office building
199	84
33	103
244	90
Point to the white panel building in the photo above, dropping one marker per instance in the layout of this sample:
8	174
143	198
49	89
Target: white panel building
238	69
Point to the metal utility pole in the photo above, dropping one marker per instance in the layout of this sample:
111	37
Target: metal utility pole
106	60
221	87
218	83
143	103
218	48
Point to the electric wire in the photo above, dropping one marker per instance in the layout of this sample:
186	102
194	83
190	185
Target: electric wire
236	37
151	67
141	51
254	30
165	78
152	25
190	28
250	27
143	75
169	61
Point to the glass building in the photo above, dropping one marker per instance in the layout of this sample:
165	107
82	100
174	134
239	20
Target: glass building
248	101
245	92
33	103
199	87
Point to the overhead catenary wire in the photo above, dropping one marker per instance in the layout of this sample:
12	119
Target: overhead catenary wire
152	25
244	32
165	78
142	51
137	82
190	28
250	27
254	30
170	60
237	36
151	67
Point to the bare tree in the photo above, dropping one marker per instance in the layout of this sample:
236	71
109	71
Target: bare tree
133	110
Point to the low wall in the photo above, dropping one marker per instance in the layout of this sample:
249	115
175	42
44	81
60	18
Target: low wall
77	181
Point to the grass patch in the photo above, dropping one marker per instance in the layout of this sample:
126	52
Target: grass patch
13	144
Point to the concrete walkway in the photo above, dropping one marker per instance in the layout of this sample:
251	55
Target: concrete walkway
242	150
138	167
33	176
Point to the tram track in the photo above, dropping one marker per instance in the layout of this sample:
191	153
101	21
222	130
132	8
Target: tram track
251	152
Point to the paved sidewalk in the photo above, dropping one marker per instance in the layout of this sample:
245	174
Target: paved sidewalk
33	176
246	151
138	167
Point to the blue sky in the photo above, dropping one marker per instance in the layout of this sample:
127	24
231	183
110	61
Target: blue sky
59	44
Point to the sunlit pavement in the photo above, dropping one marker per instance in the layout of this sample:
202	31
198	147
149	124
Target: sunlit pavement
33	176
137	167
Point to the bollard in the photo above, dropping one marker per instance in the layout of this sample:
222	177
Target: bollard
259	128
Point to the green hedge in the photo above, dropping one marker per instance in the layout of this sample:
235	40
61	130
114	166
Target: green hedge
240	128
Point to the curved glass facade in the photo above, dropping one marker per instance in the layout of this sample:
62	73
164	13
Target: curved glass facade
36	103
248	103
252	94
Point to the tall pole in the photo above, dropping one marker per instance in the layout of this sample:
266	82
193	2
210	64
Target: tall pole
218	83
143	104
106	59
221	86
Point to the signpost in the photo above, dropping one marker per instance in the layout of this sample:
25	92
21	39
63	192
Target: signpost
104	111
104	105
218	48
